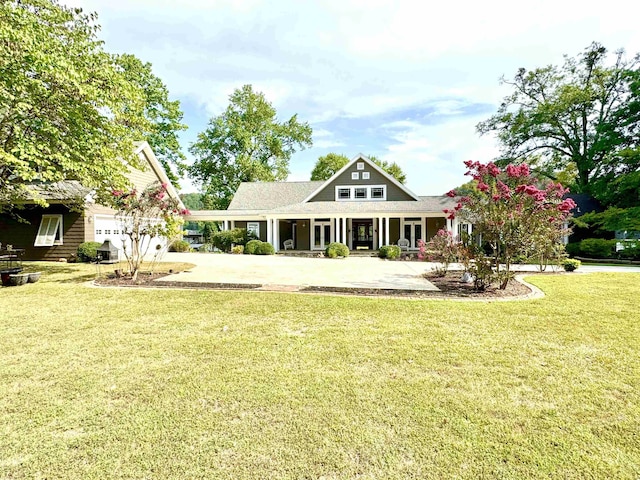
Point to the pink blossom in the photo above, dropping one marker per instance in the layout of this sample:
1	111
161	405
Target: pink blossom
451	193
493	169
185	211
483	187
495	197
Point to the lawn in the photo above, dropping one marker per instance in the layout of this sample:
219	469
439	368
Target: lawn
137	383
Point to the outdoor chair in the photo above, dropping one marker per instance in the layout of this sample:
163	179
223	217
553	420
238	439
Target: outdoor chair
288	244
403	243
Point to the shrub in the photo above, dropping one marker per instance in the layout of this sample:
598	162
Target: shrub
631	251
571	264
88	251
205	247
265	248
251	247
225	239
573	249
597	248
390	252
237	249
180	246
337	249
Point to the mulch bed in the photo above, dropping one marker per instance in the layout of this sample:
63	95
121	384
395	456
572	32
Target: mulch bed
450	287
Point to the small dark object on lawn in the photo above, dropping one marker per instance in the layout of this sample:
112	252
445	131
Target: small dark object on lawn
34	277
171	270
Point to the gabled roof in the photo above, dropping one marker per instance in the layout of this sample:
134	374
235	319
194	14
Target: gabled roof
270	195
157	169
366	159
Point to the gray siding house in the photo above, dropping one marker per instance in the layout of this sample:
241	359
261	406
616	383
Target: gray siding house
361	206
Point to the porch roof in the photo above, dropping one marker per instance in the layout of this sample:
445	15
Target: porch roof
433	204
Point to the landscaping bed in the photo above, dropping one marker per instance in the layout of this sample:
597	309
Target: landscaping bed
450	286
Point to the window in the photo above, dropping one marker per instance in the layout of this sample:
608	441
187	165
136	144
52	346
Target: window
365	175
355	176
361	193
50	231
98	232
360	165
254	228
344	193
107	232
377	192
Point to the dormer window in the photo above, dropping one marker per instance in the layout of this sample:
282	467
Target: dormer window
361	193
360	165
344	193
365	175
377	192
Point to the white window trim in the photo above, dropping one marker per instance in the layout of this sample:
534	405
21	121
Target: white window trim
338	193
254	227
49	226
355	175
360	165
365	175
352	196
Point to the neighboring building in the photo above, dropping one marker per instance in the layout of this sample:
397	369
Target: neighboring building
56	231
361	206
194	237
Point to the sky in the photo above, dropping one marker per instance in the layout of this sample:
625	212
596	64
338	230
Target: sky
406	81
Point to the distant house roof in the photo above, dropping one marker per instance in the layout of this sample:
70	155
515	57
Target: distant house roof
585	203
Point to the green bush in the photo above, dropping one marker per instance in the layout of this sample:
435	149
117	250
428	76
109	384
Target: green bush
573	249
571	264
237	249
180	246
336	249
265	248
251	247
631	251
88	251
597	248
389	251
226	239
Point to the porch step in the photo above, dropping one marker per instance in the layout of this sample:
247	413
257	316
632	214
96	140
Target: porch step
320	253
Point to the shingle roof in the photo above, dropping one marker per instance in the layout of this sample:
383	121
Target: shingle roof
65	190
270	195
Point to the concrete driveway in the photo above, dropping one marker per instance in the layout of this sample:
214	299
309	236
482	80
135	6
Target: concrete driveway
279	270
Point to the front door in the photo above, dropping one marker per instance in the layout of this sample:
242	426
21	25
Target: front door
413	233
321	235
362	234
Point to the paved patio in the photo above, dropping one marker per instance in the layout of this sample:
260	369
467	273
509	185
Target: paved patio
280	271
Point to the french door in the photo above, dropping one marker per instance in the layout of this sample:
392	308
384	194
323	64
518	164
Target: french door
321	235
413	233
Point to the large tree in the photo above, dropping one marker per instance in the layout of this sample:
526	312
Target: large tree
566	115
164	115
327	165
66	110
246	143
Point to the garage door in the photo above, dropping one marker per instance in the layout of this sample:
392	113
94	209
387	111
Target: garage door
108	228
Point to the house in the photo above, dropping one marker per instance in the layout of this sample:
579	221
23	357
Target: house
71	218
361	206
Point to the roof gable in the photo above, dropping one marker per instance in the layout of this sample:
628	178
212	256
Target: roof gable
144	149
368	162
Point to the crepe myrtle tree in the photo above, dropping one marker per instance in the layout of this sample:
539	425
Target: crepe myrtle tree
513	213
144	216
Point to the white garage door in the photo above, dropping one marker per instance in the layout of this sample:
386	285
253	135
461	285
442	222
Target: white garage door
108	228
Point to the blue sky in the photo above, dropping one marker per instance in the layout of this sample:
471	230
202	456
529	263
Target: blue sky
406	81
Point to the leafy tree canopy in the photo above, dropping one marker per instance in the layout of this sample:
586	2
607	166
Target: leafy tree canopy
68	109
246	143
571	116
164	116
327	165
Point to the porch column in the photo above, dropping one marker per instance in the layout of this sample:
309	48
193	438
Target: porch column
233	224
350	236
337	229
225	225
454	227
269	231
386	230
276	234
450	225
344	230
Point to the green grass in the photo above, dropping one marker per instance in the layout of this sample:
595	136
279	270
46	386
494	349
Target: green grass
123	383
